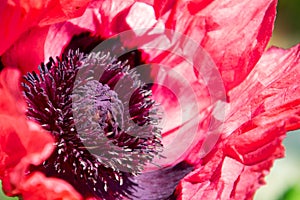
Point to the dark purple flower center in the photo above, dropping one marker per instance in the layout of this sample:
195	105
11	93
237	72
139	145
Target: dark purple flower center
104	121
1	64
105	126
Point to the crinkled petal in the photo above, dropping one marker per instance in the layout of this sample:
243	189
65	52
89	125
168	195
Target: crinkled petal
28	52
235	33
271	91
181	100
37	187
183	96
22	142
50	41
16	17
253	132
60	35
233	171
112	16
11	102
234	42
235	39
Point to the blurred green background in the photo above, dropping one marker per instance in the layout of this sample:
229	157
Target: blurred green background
283	183
287	25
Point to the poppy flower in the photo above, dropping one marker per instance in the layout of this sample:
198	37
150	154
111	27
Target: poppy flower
225	102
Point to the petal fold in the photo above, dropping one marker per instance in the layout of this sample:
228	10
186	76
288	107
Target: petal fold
38	187
235	33
22	142
261	110
16	17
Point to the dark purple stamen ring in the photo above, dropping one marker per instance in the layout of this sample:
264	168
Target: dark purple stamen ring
128	117
97	147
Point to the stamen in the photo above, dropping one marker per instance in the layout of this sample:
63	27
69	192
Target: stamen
105	127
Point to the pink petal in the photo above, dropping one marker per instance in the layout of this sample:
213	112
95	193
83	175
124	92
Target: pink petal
140	16
235	33
253	132
16	17
112	16
40	43
163	6
187	102
60	34
28	52
233	171
271	91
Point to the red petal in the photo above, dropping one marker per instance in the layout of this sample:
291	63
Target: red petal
28	52
37	187
11	102
233	171
235	33
272	91
22	142
10	154
60	34
16	17
186	102
40	43
235	47
162	6
253	132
